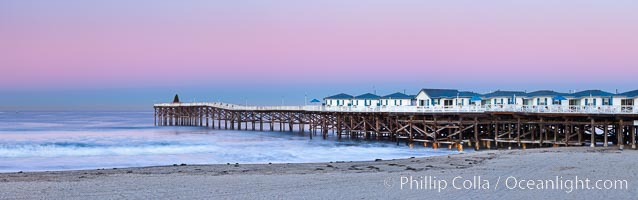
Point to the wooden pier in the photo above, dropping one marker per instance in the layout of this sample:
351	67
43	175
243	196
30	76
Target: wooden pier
485	129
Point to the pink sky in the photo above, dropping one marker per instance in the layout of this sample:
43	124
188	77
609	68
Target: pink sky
71	43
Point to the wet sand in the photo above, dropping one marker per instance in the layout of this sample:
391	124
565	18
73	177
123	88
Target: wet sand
484	174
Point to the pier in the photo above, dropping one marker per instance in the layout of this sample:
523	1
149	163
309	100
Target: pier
459	127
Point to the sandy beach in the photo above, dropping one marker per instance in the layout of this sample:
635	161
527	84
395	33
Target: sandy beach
479	175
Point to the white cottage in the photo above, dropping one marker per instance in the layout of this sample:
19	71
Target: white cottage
367	99
444	97
505	98
396	99
590	98
546	97
626	99
338	100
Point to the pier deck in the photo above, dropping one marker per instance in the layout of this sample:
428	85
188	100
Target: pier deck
498	126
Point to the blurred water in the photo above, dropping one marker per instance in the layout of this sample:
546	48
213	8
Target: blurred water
44	141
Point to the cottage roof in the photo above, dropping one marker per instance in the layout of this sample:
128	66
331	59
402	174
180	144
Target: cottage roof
340	96
545	93
468	94
176	99
440	93
633	93
586	93
397	95
367	96
500	93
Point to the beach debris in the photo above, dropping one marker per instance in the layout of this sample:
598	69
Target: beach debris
82	177
392	164
410	168
377	160
318	168
174	164
183	164
20	172
129	171
270	163
329	166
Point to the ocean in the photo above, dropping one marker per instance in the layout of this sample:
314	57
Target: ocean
53	141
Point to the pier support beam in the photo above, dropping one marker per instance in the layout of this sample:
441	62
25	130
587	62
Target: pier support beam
593	134
620	132
633	136
155	117
496	135
476	135
606	134
261	121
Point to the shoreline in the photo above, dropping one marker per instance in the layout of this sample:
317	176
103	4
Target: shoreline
357	179
226	169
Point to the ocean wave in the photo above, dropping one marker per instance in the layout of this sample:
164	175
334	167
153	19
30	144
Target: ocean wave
60	149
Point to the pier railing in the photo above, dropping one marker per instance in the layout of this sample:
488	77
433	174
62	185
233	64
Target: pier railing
607	109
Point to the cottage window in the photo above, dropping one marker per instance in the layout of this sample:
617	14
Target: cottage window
627	102
607	102
447	102
574	102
